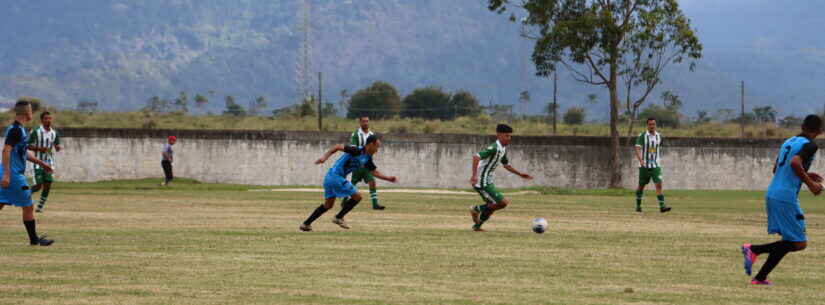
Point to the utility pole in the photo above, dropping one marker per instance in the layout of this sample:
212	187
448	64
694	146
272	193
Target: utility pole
303	64
320	103
742	113
555	105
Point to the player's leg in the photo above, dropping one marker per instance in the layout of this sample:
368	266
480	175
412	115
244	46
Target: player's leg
783	218
348	205
45	180
320	210
657	181
644	179
167	172
374	194
20	194
494	201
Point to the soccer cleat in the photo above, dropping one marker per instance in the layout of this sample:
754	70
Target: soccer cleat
477	228
639	209
305	228
42	241
38	210
378	207
474	213
664	209
750	258
766	282
340	222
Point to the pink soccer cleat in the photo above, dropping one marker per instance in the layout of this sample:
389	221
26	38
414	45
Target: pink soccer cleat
750	258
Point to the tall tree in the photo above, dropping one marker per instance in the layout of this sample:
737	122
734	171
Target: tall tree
602	42
182	102
428	103
378	101
464	103
201	101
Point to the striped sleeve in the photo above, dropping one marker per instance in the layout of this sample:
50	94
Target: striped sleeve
486	153
640	140
354	139
56	138
33	137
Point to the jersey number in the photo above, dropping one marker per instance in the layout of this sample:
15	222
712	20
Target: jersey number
785	157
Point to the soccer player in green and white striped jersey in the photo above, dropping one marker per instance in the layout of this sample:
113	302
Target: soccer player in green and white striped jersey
44	142
648	149
486	162
359	138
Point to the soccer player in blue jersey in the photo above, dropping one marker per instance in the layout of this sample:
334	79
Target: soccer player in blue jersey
336	184
785	217
14	189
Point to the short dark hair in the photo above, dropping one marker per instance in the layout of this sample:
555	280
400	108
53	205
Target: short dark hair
812	123
20	106
44	114
363	116
372	139
650	119
504	128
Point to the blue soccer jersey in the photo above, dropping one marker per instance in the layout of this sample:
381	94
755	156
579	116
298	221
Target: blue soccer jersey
786	184
17	138
354	158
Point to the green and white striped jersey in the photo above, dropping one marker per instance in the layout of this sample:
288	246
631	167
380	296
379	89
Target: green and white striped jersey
359	137
650	145
490	159
41	137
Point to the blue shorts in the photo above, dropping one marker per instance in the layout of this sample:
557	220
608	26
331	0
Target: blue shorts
18	193
786	219
338	187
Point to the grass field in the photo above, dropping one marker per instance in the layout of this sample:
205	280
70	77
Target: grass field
131	242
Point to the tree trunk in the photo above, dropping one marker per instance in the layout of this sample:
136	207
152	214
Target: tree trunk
615	165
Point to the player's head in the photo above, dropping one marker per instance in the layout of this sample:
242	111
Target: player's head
23	111
364	122
46	119
172	139
372	144
651	124
503	134
812	125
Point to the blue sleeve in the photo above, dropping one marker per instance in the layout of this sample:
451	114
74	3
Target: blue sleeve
14	136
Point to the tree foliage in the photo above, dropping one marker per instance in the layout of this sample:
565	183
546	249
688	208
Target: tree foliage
380	101
464	103
233	108
428	103
574	116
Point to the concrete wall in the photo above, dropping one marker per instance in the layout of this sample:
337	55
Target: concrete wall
286	158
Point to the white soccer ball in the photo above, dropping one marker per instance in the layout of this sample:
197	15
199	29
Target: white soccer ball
539	225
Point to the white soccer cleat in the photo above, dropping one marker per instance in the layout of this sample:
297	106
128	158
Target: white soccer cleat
340	222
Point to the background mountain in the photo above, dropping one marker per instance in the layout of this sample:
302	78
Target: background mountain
120	53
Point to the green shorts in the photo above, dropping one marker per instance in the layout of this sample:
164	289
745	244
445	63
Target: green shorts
490	194
362	174
41	176
647	174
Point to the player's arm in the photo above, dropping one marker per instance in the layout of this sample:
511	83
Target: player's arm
6	165
354	140
35	160
334	149
57	142
486	153
638	149
375	173
806	153
517	173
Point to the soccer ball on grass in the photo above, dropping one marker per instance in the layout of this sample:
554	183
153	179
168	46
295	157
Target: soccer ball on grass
539	225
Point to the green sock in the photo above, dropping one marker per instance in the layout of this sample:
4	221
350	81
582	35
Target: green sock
374	197
661	200
639	195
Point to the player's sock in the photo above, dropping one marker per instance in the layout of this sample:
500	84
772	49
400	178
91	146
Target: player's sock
43	197
639	195
776	254
661	200
30	228
346	206
766	248
320	210
374	197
